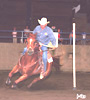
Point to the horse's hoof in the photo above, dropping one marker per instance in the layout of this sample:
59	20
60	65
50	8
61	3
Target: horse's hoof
42	75
8	81
14	86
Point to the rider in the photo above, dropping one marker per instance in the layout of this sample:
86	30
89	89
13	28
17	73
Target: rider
44	36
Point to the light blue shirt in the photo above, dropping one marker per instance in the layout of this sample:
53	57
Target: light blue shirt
44	36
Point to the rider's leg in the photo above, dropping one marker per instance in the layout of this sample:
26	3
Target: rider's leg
24	51
44	56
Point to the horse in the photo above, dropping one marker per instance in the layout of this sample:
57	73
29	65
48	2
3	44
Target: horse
30	64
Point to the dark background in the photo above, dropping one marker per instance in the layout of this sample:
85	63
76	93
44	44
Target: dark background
20	13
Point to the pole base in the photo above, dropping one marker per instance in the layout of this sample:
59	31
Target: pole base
74	88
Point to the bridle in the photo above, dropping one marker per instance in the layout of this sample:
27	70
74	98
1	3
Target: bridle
32	45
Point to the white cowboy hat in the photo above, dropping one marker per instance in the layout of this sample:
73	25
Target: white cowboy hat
43	21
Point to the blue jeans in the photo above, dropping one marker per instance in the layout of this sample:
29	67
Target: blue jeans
44	56
24	51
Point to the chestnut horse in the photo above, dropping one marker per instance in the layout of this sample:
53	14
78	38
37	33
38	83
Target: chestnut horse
30	63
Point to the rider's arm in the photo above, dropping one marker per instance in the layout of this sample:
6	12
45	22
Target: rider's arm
52	38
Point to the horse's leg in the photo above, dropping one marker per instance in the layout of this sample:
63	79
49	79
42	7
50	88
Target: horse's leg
34	81
48	69
14	70
21	78
38	78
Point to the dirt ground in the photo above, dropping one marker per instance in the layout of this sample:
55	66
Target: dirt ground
58	86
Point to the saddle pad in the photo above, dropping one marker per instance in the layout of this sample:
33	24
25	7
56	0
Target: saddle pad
50	59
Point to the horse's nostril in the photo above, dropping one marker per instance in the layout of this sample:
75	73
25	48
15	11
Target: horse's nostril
30	49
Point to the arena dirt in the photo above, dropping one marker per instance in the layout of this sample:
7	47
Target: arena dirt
58	86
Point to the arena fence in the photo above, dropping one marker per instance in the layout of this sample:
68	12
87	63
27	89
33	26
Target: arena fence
7	37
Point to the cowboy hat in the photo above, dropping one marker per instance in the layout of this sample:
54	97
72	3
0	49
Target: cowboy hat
43	21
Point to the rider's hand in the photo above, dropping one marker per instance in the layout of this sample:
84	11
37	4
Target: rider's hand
53	48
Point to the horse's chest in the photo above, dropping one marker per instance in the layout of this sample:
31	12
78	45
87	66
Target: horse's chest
32	59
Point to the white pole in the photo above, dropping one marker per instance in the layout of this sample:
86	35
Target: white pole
74	69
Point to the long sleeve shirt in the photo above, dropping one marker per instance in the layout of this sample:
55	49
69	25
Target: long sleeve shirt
45	36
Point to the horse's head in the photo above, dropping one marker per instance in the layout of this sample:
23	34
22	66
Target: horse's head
32	43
